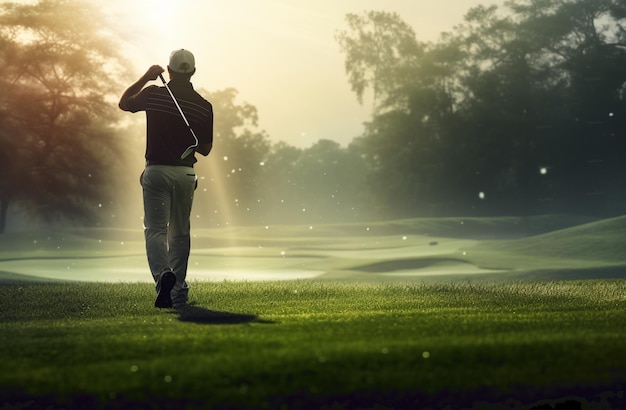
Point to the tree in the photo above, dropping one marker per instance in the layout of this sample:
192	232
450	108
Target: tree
329	183
582	41
515	105
247	180
381	52
280	185
539	83
503	80
403	142
320	184
57	141
230	177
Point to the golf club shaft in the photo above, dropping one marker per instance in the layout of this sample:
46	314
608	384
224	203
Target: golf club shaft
182	114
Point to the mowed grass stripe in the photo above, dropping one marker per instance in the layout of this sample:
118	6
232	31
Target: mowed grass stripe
256	344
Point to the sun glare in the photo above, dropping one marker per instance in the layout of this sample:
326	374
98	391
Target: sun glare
153	22
153	28
158	13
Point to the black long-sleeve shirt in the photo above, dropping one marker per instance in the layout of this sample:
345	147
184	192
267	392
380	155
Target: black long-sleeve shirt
167	135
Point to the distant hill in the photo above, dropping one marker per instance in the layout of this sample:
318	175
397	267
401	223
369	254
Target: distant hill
603	240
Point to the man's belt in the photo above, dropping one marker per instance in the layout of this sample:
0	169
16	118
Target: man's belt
152	162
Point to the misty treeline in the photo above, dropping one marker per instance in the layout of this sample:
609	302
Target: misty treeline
58	143
518	110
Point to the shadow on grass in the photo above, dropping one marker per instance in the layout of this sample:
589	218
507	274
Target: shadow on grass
406	264
601	272
196	314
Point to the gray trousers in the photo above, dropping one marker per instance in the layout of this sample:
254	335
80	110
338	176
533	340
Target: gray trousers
167	200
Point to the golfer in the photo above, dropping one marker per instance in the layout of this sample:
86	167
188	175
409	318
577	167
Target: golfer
169	179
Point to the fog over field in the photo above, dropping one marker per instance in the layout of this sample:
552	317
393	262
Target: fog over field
445	249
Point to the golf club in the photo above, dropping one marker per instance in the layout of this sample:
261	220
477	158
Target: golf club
191	148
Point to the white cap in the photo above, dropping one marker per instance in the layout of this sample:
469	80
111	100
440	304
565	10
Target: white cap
182	61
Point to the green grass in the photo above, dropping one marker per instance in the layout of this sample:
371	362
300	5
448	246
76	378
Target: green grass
313	343
419	313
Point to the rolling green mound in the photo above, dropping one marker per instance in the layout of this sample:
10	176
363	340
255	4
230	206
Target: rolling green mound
453	227
591	250
576	248
76	243
419	249
603	240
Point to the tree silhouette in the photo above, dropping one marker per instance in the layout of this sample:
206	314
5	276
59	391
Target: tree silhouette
233	169
381	51
58	147
519	109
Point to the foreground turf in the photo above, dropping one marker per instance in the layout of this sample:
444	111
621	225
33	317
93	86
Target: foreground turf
308	344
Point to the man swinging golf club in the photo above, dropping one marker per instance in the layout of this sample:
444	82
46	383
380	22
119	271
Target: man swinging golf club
179	123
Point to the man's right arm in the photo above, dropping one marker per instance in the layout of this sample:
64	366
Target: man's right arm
150	75
206	144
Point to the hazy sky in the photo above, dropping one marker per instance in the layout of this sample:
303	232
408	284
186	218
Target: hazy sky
281	55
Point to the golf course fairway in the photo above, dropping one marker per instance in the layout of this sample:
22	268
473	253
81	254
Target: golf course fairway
420	313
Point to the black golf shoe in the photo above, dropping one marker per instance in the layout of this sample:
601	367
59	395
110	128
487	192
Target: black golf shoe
166	283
